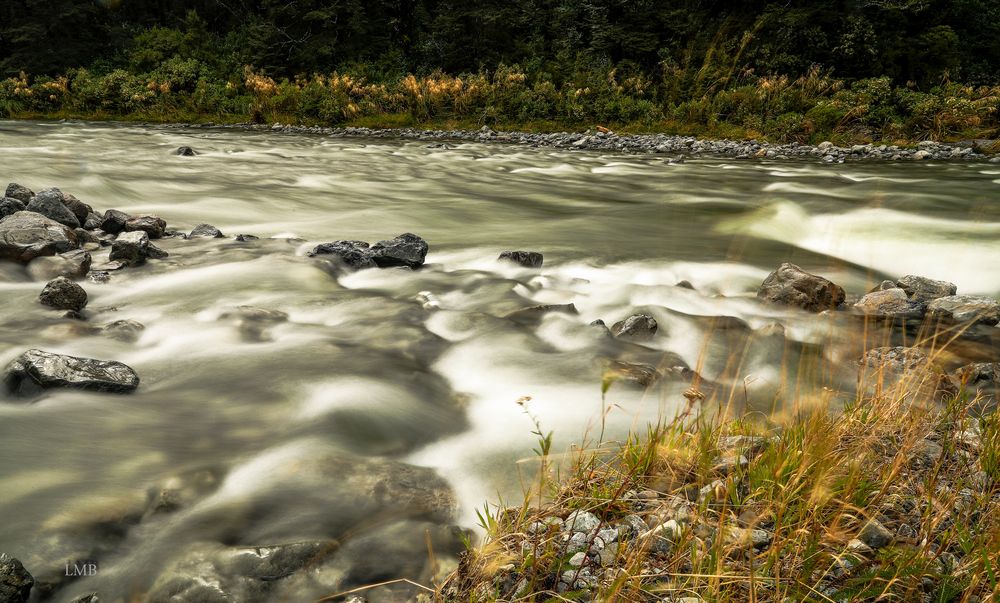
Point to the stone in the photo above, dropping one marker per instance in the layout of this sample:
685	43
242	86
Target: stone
93	221
27	235
889	303
890	367
80	209
875	535
35	370
925	290
685	284
527	259
534	314
72	264
124	330
185	152
245	238
63	294
600	327
639	374
638	327
581	521
206	231
858	548
15	581
926	452
921	155
114	221
9	205
130	247
21	193
154	226
979	378
50	204
965	309
352	255
789	285
405	250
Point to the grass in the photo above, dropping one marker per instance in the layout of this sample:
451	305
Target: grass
759	509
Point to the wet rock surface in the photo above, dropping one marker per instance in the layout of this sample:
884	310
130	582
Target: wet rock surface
35	371
50	204
789	285
527	259
27	235
63	294
965	309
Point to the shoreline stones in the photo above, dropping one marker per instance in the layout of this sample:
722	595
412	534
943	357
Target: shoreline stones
527	259
153	226
63	294
50	204
133	248
35	371
15	581
21	193
26	235
965	308
205	231
789	285
407	250
925	290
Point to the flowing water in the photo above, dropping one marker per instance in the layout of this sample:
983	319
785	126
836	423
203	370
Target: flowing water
421	366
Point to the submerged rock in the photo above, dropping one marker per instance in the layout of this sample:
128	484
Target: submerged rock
535	313
528	259
15	581
124	330
154	226
27	235
72	264
789	285
63	294
638	327
185	152
206	231
405	250
965	309
639	374
21	193
50	204
36	370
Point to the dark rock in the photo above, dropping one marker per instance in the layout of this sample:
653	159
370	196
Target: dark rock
93	221
108	267
63	294
21	193
353	255
965	309
130	247
889	303
27	235
601	327
207	231
528	259
114	221
638	327
639	374
151	225
10	205
884	286
925	290
685	285
243	238
72	264
535	313
124	330
15	581
80	209
185	152
35	371
155	253
405	250
789	285
84	236
979	378
50	204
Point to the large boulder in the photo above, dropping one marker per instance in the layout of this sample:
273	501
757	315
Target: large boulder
353	255
21	193
889	303
789	285
50	204
405	250
154	226
15	581
133	248
80	209
528	259
965	309
10	205
27	235
638	327
63	294
35	371
924	290
72	264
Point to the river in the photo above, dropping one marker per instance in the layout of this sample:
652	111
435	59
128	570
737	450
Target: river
421	366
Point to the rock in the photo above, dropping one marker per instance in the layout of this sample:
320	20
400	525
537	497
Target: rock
131	248
965	308
21	193
93	221
155	253
206	231
926	452
50	204
63	294
925	290
528	259
26	235
642	375
15	581
920	155
875	535
353	255
889	303
535	313
185	152
858	548
124	330
581	521
80	209
979	378
638	327
685	284
888	367
405	250
151	225
72	264
896	359
244	238
791	286
35	371
9	205
737	536
114	221
600	327
84	237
